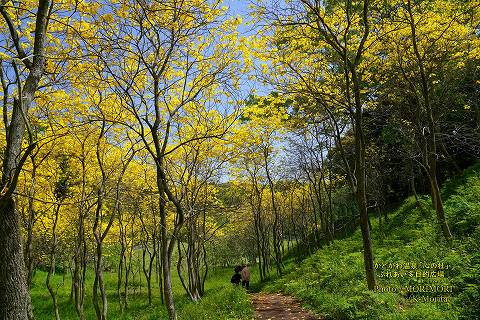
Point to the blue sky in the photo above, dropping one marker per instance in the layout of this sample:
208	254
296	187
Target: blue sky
241	7
238	6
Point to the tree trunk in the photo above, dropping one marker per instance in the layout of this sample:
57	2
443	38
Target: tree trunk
360	175
97	233
121	263
165	257
438	204
80	249
431	145
30	224
14	297
276	238
158	266
180	273
258	245
51	270
147	271
167	284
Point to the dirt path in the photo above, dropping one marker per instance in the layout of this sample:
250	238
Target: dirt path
278	306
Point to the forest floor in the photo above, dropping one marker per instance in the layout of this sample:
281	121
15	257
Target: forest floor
278	306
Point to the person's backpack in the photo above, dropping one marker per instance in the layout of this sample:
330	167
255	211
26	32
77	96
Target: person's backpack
235	278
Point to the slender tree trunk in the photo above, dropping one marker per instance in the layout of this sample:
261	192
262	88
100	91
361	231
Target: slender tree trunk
256	205
205	270
315	215
97	232
412	182
328	213
98	265
276	238
128	264
167	283
165	257
80	249
30	225
259	247
98	284
51	270
148	266
121	264
431	147
160	270
360	175
192	261
438	203
204	250
180	273
321	212
147	270
72	288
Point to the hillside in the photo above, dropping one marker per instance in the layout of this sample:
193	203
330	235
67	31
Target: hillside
331	281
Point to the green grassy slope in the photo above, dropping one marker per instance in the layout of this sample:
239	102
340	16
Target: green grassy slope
331	281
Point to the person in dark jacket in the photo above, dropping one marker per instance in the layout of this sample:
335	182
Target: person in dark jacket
237	276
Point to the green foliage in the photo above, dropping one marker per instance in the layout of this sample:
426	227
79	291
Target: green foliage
452	184
463	212
463	203
420	311
469	298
